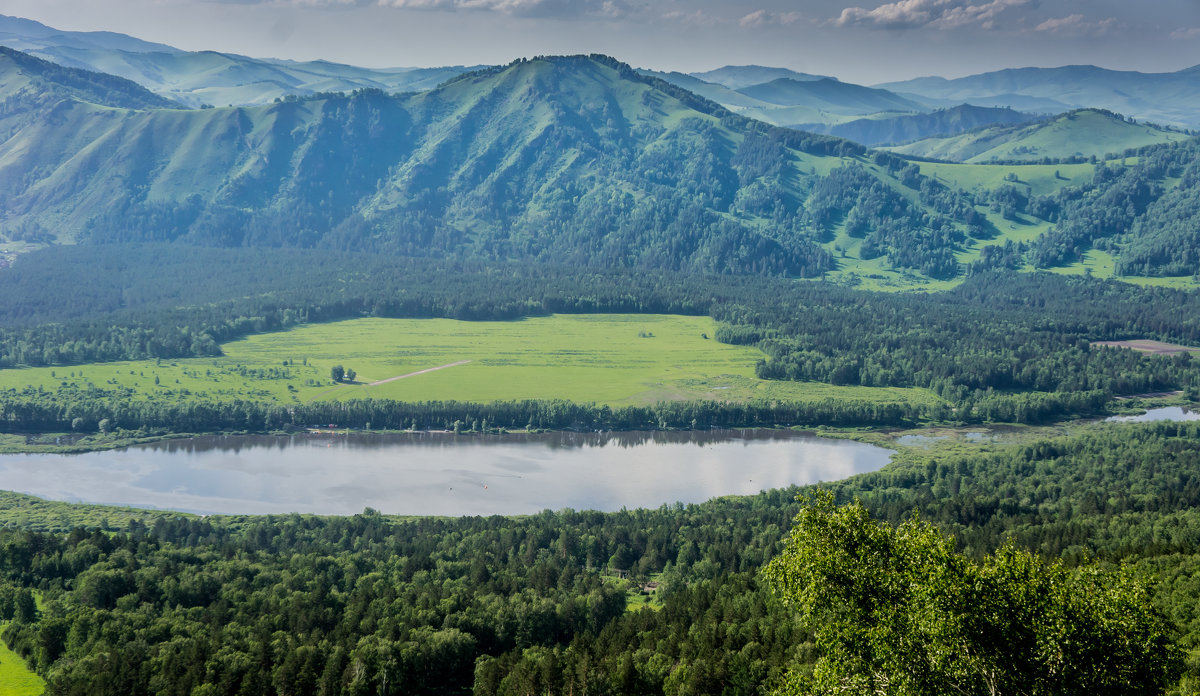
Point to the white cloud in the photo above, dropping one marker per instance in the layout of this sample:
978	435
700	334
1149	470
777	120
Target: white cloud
1077	25
939	14
697	17
562	8
1186	33
762	18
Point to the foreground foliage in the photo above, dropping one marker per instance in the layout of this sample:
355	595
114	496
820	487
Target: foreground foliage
897	611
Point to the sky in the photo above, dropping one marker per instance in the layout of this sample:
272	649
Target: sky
860	41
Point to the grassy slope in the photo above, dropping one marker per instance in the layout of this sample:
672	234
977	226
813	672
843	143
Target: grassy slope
1081	133
583	358
15	677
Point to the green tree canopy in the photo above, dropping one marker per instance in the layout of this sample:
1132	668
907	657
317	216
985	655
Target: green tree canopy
897	611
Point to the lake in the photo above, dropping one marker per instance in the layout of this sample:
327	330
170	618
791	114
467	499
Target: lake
439	473
1166	413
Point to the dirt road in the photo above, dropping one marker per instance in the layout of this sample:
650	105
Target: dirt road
418	372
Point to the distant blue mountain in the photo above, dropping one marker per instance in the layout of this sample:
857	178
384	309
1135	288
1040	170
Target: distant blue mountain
1165	98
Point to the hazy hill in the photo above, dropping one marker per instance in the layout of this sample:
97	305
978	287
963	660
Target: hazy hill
901	129
830	95
1082	133
207	77
28	35
786	101
573	159
713	91
739	76
1168	98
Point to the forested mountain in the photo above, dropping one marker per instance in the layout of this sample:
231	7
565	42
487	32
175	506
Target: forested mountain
1146	214
571	159
892	130
1076	134
1168	98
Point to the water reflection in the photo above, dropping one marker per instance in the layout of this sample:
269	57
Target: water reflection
1166	413
440	473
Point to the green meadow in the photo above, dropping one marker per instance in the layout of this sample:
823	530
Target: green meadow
15	677
615	359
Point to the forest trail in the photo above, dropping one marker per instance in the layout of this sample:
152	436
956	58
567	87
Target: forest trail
418	372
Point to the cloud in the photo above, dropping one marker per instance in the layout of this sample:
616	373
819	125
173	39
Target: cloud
697	17
529	8
762	18
1186	33
546	8
938	14
1077	25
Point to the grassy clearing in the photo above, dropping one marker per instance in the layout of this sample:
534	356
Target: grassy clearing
616	359
15	677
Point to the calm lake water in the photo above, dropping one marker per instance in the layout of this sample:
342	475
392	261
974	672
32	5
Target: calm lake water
439	473
1167	413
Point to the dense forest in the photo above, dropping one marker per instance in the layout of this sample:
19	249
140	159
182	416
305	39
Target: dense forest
371	604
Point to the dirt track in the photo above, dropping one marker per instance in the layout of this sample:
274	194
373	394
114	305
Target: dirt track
418	372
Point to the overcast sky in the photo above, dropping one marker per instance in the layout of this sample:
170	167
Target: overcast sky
865	42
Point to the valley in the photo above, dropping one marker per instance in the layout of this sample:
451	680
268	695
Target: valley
613	359
573	374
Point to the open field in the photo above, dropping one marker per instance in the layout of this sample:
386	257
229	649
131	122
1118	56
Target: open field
1148	346
15	677
616	359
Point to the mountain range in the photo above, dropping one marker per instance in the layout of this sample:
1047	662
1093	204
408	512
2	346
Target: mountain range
577	159
1166	98
199	78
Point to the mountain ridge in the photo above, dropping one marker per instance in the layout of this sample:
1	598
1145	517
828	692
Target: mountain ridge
575	159
200	78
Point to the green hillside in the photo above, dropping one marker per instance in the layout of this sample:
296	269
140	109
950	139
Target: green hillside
571	159
1084	133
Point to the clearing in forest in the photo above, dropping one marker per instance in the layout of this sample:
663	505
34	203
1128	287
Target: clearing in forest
615	359
1148	346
